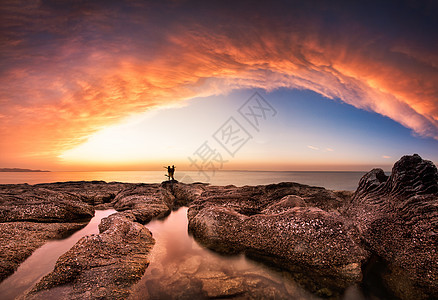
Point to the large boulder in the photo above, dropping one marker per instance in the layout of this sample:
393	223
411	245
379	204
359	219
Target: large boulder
397	217
273	224
102	266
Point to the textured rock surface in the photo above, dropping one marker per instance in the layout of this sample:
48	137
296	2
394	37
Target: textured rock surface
30	203
181	269
144	201
102	266
30	216
305	240
96	193
249	200
19	239
397	217
184	194
272	223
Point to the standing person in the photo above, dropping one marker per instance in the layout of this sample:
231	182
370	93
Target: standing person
171	172
168	172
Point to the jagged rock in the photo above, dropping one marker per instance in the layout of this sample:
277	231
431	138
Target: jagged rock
102	266
19	239
29	203
397	217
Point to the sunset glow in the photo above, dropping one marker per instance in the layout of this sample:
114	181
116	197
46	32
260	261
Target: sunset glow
138	84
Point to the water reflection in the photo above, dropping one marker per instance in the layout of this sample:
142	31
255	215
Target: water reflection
180	269
43	260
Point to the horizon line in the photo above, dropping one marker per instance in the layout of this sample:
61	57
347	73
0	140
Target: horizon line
234	170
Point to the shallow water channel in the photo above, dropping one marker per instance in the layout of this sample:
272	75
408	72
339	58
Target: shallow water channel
42	261
181	269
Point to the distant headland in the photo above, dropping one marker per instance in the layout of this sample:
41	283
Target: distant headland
19	170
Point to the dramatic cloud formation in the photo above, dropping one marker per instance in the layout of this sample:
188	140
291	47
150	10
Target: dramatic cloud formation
69	69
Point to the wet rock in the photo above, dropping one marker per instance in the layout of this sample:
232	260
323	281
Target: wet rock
182	287
28	203
184	194
144	201
96	193
19	239
281	225
397	217
102	266
305	239
251	200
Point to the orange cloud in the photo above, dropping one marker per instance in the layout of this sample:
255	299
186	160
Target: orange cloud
70	72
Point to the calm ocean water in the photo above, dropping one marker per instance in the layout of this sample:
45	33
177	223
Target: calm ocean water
329	180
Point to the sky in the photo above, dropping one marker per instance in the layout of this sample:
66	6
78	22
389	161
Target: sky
248	85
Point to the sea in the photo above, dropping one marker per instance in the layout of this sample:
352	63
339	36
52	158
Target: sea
331	180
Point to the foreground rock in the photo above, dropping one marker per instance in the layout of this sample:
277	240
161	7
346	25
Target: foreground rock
281	225
29	203
19	239
397	217
30	216
145	202
102	266
96	193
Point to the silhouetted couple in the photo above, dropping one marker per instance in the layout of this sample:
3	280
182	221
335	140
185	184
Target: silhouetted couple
170	172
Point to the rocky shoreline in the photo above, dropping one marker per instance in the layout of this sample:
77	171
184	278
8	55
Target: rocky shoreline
327	240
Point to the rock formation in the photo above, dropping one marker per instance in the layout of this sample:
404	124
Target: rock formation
19	239
144	201
28	203
397	217
102	266
96	193
273	224
325	240
30	216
